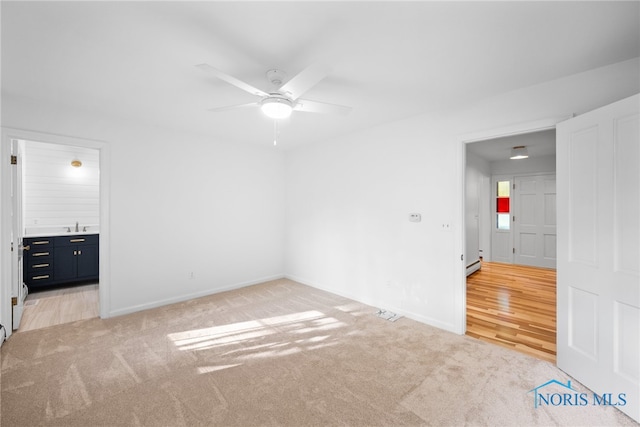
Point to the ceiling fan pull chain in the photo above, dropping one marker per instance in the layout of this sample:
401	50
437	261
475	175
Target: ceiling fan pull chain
275	133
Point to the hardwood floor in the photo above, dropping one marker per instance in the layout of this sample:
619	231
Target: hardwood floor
515	307
57	306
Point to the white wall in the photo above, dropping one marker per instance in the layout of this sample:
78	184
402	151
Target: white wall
348	231
477	170
179	203
56	195
486	220
348	199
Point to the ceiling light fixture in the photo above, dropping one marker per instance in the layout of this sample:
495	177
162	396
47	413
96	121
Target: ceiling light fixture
276	107
519	152
76	163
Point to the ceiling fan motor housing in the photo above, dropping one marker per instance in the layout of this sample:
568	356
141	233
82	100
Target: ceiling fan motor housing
276	77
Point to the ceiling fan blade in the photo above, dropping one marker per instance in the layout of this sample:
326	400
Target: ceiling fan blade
308	106
231	80
233	107
305	80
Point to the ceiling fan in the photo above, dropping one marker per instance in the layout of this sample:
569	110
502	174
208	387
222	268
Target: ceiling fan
284	98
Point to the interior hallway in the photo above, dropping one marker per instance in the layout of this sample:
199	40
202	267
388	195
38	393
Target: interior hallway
514	306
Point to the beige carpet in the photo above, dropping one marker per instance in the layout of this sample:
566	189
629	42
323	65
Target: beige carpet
278	353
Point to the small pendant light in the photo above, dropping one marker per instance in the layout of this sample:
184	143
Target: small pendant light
519	152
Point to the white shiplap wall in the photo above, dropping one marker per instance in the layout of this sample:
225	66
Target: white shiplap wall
56	194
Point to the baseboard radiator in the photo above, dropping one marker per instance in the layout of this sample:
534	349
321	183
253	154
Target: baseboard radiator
473	267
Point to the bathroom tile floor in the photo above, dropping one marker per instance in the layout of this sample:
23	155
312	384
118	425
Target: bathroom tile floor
58	306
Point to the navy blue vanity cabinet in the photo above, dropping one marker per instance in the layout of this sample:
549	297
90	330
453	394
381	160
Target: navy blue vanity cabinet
38	262
59	260
75	258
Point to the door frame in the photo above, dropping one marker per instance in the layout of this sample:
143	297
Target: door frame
17	253
6	207
463	140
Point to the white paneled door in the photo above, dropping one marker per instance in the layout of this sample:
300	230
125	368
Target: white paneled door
598	183
18	290
534	224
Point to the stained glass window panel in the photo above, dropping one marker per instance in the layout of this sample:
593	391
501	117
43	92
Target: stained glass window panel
503	188
504	221
502	205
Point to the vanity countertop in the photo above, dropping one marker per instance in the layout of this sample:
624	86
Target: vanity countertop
61	233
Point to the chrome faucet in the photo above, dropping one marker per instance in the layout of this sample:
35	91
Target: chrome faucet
77	229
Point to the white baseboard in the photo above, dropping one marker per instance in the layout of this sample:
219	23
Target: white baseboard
17	315
450	327
3	335
186	297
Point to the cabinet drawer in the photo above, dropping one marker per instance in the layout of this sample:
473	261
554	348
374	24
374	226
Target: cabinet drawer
79	240
39	278
40	249
40	255
36	266
38	242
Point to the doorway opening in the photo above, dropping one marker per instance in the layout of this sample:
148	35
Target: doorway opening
12	292
60	217
510	239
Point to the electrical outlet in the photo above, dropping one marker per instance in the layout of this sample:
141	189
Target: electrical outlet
191	275
446	227
415	217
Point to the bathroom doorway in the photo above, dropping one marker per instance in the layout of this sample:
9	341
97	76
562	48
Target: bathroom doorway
59	213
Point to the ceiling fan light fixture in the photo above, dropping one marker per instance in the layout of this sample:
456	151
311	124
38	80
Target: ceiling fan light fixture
276	107
519	152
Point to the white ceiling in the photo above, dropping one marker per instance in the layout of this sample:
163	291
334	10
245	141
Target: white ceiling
390	60
539	144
